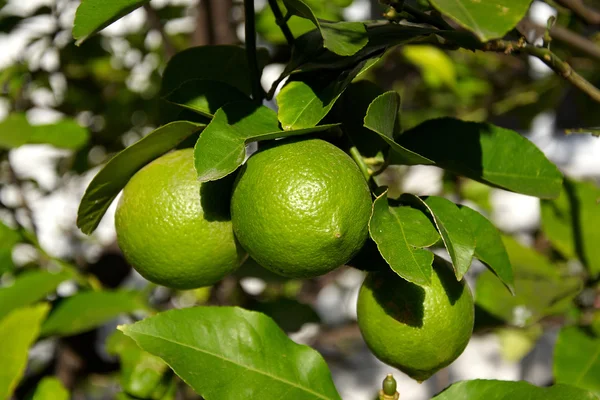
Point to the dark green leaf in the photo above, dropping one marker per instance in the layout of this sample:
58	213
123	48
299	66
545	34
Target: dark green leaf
50	388
480	389
342	38
87	310
95	15
490	19
255	360
28	288
18	331
8	239
141	372
401	233
221	148
205	97
577	358
226	64
453	227
308	97
289	314
489	247
486	153
540	290
382	118
571	223
113	177
16	131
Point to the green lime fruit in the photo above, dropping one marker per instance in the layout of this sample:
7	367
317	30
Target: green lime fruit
172	229
418	330
301	207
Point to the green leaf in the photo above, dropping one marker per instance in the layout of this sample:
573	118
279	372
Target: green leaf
480	389
16	131
490	19
255	360
453	227
222	63
489	247
8	238
113	177
28	288
570	223
540	289
382	118
486	153
141	372
94	15
342	38
308	97
18	331
50	388
577	358
516	343
436	67
205	97
289	314
401	233
221	148
88	310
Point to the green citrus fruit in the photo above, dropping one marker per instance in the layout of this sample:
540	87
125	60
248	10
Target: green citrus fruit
301	207
173	230
418	330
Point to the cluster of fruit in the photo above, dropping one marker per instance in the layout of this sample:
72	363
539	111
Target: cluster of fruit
300	208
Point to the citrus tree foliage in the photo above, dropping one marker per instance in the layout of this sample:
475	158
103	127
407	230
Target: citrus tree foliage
440	83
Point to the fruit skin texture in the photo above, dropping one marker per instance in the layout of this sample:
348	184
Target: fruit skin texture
418	330
301	207
173	230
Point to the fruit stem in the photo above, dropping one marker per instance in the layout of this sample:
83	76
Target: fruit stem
388	391
250	33
360	162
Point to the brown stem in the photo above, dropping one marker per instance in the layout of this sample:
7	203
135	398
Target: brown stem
585	13
154	21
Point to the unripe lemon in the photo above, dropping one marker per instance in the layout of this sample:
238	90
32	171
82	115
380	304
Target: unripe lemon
301	207
418	330
173	230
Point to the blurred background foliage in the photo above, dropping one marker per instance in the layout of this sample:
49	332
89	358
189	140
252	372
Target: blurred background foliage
105	94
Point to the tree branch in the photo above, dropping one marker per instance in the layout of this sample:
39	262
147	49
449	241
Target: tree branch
582	11
550	59
154	21
250	30
281	22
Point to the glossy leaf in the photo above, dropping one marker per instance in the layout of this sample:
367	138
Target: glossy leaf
18	331
87	310
486	153
50	388
28	288
307	98
113	177
141	372
480	389
571	223
577	358
8	239
221	148
16	131
490	19
383	118
205	97
489	247
255	360
401	233
540	289
342	38
95	15
453	227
